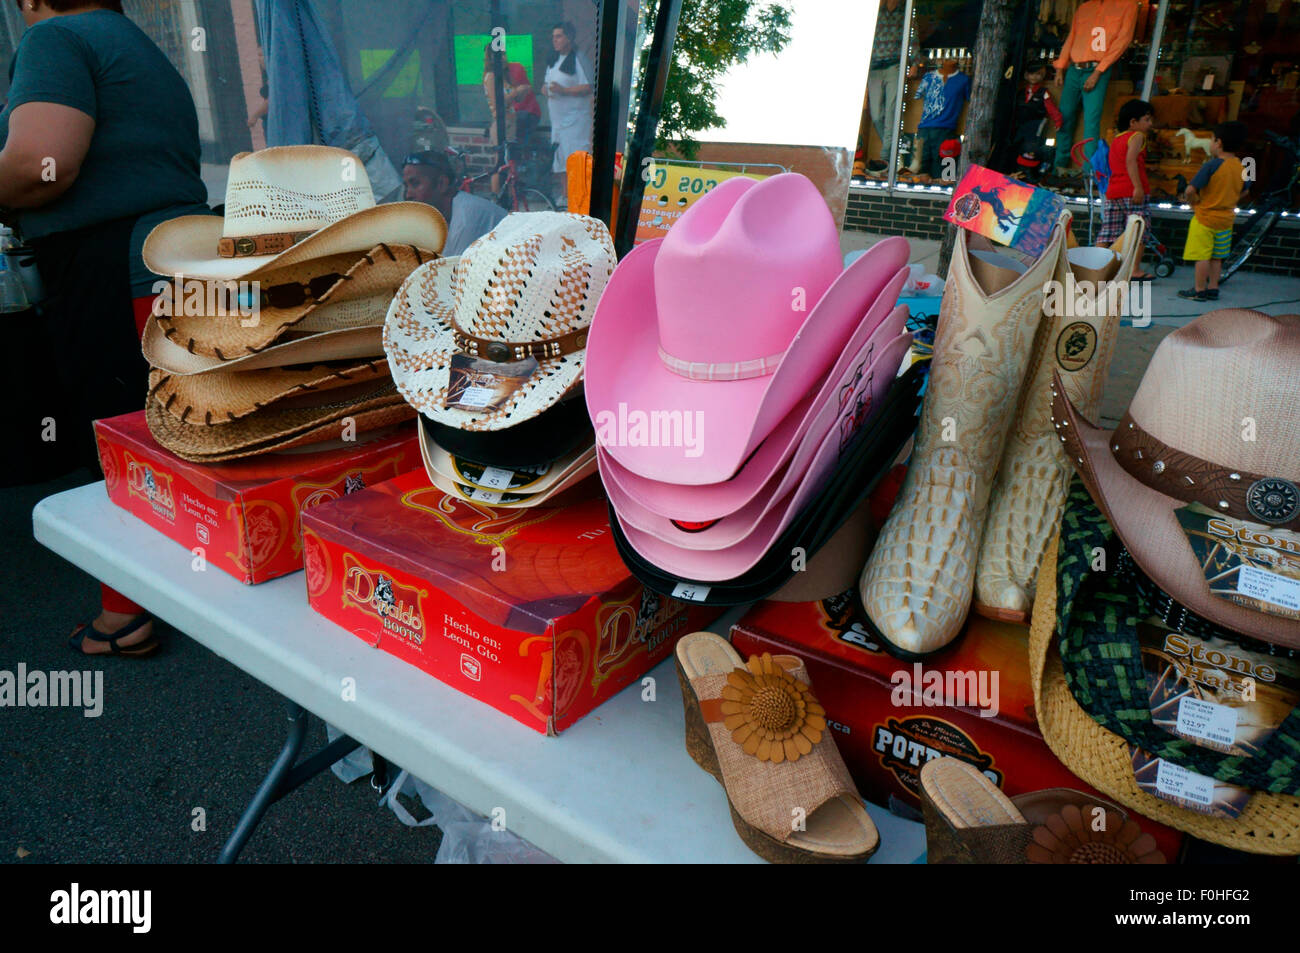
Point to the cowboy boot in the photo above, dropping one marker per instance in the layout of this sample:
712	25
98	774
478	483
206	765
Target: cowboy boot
916	587
1029	491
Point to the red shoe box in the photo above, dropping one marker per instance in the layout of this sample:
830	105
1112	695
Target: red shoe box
888	722
529	610
242	515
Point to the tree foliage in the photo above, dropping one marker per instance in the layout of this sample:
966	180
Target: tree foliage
712	36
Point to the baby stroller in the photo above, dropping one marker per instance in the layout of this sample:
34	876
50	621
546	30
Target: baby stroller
1096	176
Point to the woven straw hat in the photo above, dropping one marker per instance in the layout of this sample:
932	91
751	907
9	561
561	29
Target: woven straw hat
359	286
1213	422
514	480
370	407
218	399
346	344
286	205
1269	824
528	287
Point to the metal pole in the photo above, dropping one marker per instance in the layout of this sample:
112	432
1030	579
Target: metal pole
897	131
610	96
658	62
1153	55
498	78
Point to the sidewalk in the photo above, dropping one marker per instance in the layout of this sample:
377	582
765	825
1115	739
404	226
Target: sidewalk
1272	294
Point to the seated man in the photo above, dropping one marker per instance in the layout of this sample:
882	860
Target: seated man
428	178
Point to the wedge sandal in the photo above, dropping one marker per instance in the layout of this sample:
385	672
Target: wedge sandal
759	730
969	821
86	632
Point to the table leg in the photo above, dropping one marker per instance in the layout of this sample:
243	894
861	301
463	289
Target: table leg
285	775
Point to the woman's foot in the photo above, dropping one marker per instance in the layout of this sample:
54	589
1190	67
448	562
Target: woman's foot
1142	276
133	635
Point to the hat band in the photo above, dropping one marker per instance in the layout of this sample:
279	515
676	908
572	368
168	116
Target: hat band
270	243
502	352
721	370
1235	493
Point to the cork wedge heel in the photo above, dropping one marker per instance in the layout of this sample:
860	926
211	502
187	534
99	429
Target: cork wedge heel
799	809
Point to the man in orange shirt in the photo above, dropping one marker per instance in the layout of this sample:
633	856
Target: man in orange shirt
1100	34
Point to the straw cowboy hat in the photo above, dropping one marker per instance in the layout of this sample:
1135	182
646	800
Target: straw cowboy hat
284	206
344	344
736	314
331	293
1212	426
1268	824
524	479
519	300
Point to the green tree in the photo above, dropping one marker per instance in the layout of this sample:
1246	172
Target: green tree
712	35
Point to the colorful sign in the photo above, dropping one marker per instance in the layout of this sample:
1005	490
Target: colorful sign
1005	210
670	190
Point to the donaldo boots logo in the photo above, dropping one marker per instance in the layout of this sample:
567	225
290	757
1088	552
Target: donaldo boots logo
151	485
903	746
398	607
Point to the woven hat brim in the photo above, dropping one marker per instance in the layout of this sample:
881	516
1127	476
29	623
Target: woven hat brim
358	299
1269	824
1145	521
422	310
273	429
557	472
219	399
344	345
188	245
551	496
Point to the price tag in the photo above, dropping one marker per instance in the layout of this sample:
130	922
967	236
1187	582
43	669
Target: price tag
1173	781
484	496
496	478
1269	586
475	398
691	592
1202	719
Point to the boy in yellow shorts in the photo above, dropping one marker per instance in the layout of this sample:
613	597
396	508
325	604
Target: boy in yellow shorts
1213	195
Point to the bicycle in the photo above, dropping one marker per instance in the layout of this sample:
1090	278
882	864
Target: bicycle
1268	210
514	193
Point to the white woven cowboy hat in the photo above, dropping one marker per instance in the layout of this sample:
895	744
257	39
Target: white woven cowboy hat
525	290
285	205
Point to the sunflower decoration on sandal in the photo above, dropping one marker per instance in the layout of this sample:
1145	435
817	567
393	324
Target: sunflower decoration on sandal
1072	837
770	714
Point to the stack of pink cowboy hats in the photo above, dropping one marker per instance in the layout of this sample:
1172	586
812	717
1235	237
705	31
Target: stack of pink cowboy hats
744	388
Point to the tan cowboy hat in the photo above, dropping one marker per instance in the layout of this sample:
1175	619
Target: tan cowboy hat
1212	423
287	205
566	490
291	348
1269	823
367	407
521	295
217	399
330	293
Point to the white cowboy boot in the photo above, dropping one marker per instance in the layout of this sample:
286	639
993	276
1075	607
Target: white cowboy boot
916	587
1078	340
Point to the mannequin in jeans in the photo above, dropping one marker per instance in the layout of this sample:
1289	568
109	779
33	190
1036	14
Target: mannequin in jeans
882	79
1100	34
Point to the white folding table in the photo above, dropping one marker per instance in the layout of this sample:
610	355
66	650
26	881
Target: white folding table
617	786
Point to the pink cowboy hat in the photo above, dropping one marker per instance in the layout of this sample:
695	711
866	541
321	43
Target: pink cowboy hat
738	542
882	323
725	323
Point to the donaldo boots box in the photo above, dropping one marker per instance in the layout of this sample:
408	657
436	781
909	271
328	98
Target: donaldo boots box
241	516
528	610
889	717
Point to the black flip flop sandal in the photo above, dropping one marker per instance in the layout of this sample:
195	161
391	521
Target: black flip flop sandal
86	631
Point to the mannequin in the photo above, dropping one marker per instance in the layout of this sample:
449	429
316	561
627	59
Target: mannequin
1100	34
945	91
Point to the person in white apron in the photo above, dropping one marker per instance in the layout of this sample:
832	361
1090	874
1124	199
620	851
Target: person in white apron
568	85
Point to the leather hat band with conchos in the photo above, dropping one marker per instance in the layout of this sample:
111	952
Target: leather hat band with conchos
1236	493
270	243
502	352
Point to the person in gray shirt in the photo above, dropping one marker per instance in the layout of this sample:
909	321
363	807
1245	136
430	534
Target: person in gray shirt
428	178
99	142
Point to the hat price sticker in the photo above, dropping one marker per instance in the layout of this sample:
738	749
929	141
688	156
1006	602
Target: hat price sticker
1248	563
1188	789
1213	692
478	385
